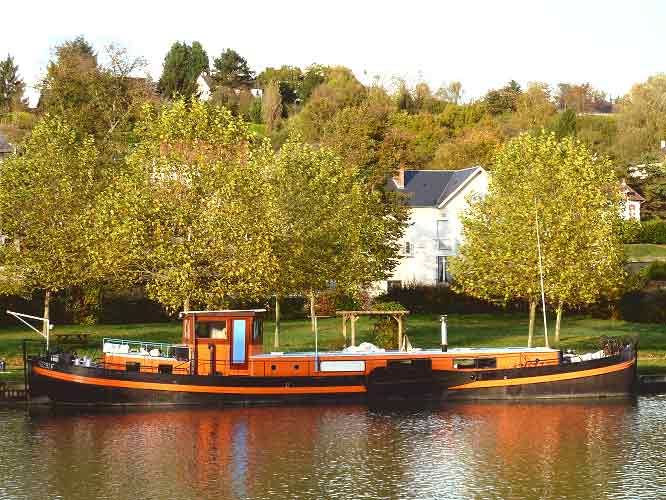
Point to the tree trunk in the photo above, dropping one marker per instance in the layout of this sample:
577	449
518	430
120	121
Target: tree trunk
276	337
47	323
313	315
530	332
558	321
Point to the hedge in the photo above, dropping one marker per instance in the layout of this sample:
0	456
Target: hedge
653	231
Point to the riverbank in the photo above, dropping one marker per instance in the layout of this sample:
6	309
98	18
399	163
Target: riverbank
465	330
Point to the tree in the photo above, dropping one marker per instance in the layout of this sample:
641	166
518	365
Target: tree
330	228
503	100
451	93
642	119
182	66
68	88
271	106
582	98
651	184
341	89
357	134
231	69
576	199
11	86
103	100
289	79
313	76
565	125
46	194
190	213
476	146
534	108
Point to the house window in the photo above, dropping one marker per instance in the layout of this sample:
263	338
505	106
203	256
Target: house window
443	235
443	275
393	285
407	248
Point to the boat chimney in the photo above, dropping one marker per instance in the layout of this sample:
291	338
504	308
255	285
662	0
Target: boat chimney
445	336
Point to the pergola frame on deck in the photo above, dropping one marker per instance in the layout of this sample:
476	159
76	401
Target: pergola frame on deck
353	317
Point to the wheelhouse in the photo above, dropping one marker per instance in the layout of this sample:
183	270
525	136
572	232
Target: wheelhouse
213	343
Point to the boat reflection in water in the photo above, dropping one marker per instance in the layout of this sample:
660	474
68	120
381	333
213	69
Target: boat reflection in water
463	450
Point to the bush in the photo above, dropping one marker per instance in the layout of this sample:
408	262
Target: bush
644	306
429	299
655	271
385	329
653	231
630	231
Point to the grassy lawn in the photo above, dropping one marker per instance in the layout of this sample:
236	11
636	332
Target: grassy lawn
474	330
645	252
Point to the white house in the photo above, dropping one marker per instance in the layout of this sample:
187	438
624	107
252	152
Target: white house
632	202
437	199
205	85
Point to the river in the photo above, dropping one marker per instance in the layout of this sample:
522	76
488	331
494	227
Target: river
574	450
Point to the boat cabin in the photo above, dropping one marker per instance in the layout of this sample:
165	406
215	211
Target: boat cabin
230	342
213	343
222	342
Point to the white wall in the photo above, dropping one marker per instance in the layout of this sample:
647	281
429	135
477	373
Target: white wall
203	89
421	266
627	212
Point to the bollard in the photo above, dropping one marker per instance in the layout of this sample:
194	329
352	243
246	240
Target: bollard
445	339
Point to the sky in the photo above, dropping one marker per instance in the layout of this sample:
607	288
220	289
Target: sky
483	44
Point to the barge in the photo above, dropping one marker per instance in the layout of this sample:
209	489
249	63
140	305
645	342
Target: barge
221	360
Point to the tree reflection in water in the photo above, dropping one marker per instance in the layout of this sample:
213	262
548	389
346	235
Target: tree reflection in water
464	450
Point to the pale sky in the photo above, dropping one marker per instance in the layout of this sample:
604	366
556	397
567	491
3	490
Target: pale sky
612	44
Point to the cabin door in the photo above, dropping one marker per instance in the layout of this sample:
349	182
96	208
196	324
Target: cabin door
239	343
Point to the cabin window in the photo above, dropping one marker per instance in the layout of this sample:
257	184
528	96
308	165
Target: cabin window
238	344
182	353
212	330
486	363
258	331
464	364
475	363
165	369
132	366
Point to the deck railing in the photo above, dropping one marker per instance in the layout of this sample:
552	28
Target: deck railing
124	346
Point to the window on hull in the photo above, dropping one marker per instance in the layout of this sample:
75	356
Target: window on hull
475	363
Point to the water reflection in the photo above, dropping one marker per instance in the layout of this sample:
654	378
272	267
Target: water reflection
480	450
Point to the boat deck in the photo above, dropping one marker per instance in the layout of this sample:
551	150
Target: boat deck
414	352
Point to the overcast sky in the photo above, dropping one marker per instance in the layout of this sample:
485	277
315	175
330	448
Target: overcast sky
612	44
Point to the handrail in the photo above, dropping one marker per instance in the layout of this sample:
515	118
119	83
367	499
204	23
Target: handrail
165	349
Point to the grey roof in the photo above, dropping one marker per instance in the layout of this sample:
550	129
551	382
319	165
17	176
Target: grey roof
426	188
5	147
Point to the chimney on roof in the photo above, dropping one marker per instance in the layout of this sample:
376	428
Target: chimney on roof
399	178
662	145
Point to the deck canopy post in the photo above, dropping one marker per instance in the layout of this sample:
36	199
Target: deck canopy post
354	319
354	316
344	328
398	318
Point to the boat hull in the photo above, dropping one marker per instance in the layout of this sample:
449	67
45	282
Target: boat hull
607	377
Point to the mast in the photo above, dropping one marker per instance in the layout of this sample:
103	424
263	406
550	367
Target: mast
543	295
